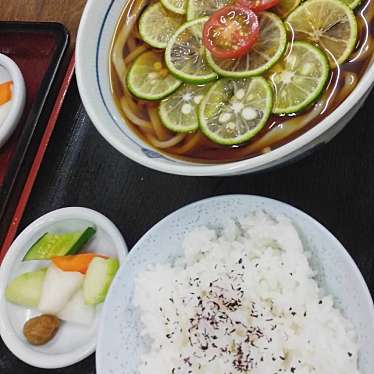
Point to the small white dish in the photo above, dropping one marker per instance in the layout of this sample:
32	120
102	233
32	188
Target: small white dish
120	343
9	71
72	343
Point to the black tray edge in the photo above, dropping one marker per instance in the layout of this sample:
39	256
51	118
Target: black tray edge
35	122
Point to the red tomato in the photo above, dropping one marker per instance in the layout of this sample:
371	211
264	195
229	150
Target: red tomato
231	31
258	5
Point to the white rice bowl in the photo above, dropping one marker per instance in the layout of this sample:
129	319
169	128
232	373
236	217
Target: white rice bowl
242	300
124	340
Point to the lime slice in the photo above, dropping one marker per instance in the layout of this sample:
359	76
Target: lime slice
157	25
233	111
329	23
262	56
149	79
175	6
299	78
352	3
285	7
185	54
202	8
178	112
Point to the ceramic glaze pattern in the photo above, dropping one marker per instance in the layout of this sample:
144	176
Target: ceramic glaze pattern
120	342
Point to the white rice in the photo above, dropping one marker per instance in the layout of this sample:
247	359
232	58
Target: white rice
242	301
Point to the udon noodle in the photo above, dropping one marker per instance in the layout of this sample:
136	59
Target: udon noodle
143	116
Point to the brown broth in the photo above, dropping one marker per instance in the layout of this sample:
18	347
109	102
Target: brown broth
279	130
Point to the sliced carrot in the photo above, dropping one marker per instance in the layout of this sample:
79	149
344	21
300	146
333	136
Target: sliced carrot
5	92
78	263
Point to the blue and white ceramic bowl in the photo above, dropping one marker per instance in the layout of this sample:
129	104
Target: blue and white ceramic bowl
92	58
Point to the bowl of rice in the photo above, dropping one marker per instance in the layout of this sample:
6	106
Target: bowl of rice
238	284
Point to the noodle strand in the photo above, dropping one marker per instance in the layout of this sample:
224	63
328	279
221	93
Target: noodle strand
131	43
133	117
135	53
190	145
123	35
161	131
165	144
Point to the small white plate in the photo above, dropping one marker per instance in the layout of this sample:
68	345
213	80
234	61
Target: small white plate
120	340
72	343
9	71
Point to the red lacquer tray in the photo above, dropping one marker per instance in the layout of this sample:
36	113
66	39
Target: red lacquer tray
38	49
24	196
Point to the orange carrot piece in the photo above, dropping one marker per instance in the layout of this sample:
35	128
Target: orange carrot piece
5	92
77	263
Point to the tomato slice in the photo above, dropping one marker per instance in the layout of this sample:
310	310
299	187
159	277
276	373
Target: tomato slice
231	31
258	5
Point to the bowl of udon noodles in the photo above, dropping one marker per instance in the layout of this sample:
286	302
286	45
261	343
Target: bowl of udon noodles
223	87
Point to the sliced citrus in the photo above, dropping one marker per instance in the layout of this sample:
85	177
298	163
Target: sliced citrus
175	6
285	7
352	3
157	25
299	78
185	54
233	111
263	55
149	79
329	23
178	112
202	8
